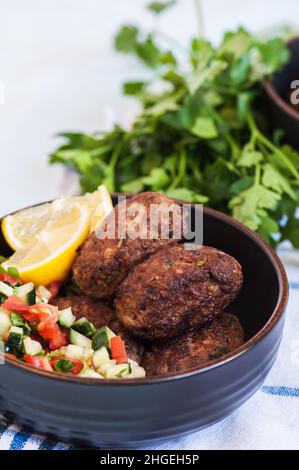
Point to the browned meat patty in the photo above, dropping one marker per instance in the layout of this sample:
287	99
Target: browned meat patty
103	263
195	348
100	313
175	290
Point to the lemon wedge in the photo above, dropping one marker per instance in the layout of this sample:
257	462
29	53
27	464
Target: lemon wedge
51	252
20	228
102	206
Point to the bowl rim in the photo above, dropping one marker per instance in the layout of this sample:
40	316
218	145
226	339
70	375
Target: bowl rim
277	313
274	95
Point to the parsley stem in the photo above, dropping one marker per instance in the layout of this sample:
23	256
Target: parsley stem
199	18
257	175
263	139
280	154
181	170
112	164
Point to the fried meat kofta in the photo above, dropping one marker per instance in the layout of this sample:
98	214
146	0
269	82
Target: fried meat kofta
177	289
97	312
100	313
196	347
133	231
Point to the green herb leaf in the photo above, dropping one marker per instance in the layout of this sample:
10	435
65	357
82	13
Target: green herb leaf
13	272
250	157
64	365
204	128
248	206
126	39
273	179
160	7
157	179
133	88
19	321
200	263
186	195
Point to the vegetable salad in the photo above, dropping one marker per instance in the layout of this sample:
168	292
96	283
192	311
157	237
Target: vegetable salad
38	333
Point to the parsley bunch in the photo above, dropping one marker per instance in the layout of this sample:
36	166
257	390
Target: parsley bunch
203	136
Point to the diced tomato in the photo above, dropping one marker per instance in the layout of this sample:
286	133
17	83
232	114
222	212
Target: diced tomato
118	349
77	365
38	361
54	287
12	280
15	304
58	341
48	328
44	312
51	332
30	317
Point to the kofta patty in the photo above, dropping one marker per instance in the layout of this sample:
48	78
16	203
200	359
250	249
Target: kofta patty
104	262
177	289
97	312
195	348
100	313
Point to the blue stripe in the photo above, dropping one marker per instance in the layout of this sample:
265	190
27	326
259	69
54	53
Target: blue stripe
294	285
19	440
281	391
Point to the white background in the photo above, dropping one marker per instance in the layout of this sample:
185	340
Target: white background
60	73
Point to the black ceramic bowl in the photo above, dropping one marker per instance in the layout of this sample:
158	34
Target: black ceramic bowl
129	413
281	112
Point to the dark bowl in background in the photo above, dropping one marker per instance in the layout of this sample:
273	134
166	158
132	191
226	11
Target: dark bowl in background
282	114
130	413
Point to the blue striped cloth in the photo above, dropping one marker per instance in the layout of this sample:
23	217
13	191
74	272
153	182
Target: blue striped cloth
269	420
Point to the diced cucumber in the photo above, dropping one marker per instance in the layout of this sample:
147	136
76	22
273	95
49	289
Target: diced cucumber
137	372
79	340
5	323
14	342
118	371
88	355
31	346
90	373
103	369
66	317
100	357
84	326
55	353
31	297
75	352
5	289
17	330
44	293
102	338
26	291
